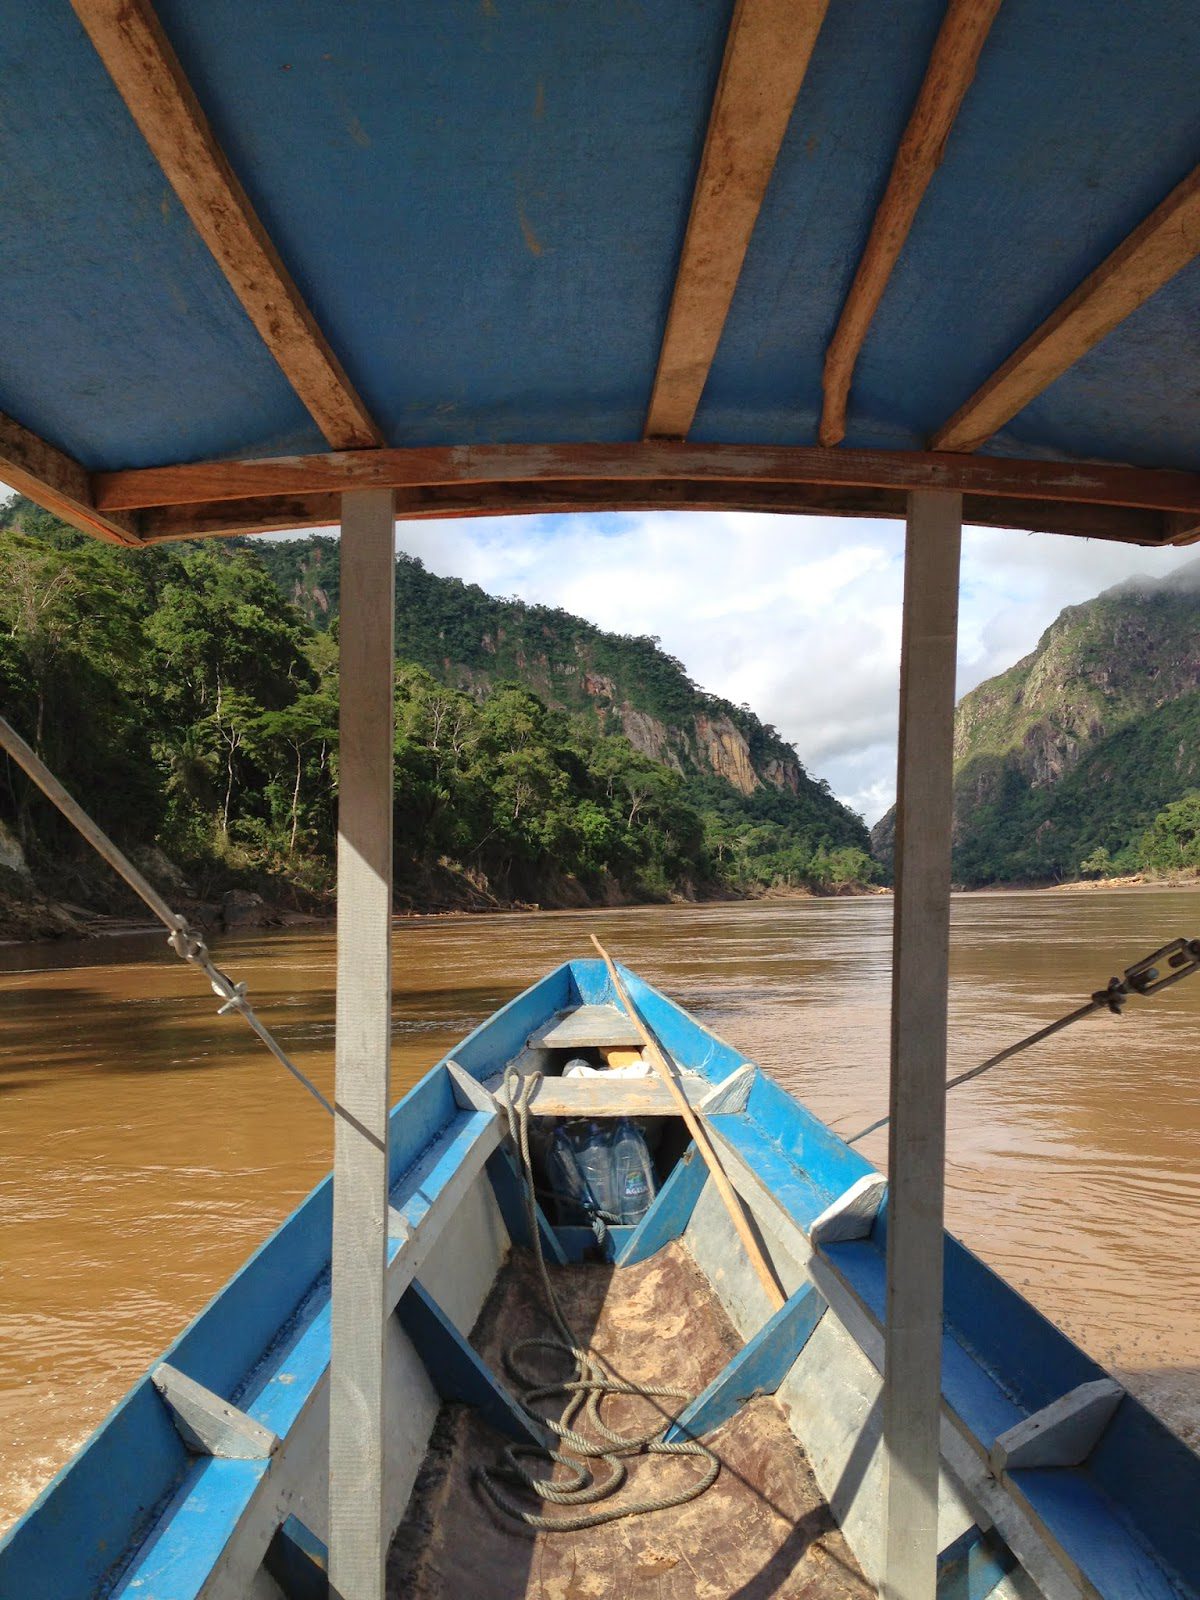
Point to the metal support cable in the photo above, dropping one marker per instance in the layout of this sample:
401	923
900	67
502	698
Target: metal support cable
186	941
1181	957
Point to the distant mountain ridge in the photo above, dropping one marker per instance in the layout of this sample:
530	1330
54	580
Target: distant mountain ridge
471	640
1080	744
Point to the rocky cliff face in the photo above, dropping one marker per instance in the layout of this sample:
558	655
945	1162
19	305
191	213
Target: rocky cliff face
472	640
1101	671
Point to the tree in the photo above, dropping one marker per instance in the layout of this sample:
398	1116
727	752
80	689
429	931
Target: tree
309	724
1172	840
1097	865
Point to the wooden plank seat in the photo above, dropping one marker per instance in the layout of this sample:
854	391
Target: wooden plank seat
586	1028
610	1096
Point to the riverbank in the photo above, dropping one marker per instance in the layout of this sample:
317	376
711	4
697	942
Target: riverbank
1187	879
30	916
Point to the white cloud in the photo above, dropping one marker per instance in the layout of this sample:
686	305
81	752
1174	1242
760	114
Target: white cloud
798	617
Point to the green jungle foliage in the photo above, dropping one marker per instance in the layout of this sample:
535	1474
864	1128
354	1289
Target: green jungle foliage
1070	761
468	640
192	706
1104	803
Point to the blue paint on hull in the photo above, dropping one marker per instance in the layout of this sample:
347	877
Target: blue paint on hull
1126	1515
457	1371
973	1566
759	1367
670	1211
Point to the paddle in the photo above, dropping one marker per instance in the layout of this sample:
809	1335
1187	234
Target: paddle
699	1133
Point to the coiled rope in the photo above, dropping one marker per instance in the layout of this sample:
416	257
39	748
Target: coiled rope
185	940
589	1384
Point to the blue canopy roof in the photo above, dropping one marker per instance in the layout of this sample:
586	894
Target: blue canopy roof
483	205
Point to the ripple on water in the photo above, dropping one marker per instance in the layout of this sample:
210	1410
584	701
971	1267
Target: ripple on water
148	1146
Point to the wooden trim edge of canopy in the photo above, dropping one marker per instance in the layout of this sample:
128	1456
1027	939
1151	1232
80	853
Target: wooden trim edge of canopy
1120	524
59	483
602	465
1093	500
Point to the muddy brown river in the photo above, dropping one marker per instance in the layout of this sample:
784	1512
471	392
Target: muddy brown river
147	1146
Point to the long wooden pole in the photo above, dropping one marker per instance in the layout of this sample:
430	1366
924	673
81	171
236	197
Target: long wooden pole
920	977
699	1133
357	1498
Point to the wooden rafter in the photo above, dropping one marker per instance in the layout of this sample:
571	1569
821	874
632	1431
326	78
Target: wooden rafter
58	482
766	57
1124	524
143	66
951	69
1074	482
1153	253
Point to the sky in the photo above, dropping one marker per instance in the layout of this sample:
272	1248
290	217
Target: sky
797	617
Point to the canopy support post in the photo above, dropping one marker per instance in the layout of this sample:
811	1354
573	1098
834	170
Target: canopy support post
358	1534
920	978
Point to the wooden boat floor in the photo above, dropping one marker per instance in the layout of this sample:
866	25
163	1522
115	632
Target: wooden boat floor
761	1530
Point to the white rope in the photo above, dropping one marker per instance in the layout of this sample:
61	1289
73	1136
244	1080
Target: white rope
185	940
587	1386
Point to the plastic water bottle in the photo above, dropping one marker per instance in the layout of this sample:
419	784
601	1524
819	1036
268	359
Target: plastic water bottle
631	1179
566	1179
593	1147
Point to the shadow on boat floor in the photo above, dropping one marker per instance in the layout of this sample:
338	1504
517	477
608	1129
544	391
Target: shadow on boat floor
762	1530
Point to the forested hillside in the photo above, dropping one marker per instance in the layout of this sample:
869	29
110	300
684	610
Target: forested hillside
192	706
1084	758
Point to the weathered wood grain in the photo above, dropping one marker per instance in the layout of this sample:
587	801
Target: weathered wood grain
660	461
1151	256
613	1097
920	978
142	64
852	1215
59	483
951	70
731	1094
1062	1434
767	53
584	1028
220	518
208	1424
357	1489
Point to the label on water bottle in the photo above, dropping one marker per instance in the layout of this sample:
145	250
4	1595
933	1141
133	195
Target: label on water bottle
635	1185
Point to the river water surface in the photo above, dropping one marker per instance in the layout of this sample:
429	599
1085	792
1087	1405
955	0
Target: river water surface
147	1146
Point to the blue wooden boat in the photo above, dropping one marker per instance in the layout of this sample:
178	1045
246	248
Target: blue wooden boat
210	1478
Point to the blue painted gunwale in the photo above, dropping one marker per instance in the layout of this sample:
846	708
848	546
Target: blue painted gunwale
263	1342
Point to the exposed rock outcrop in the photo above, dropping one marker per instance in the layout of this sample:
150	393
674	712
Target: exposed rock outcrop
723	750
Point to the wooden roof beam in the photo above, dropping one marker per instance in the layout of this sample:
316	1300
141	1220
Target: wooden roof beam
1153	253
596	465
951	70
59	483
143	66
766	57
1123	524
